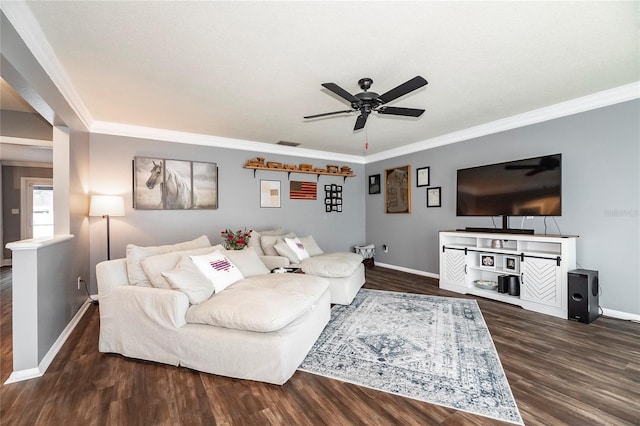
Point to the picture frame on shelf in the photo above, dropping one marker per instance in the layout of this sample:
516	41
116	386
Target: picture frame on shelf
434	197
422	176
397	190
510	264
374	184
487	261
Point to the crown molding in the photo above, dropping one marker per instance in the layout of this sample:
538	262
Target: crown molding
28	28
585	103
26	141
140	132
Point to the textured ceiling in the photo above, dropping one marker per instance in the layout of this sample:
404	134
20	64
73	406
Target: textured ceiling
252	70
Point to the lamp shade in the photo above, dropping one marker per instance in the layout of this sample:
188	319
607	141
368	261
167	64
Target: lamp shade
106	205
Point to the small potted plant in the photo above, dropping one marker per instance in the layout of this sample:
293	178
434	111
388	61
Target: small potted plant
235	240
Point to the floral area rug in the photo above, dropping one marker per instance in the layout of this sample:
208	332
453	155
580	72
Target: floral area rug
433	349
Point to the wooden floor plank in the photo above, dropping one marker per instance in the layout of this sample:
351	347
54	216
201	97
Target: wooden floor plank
561	373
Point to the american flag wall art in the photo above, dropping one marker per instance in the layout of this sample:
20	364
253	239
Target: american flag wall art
303	190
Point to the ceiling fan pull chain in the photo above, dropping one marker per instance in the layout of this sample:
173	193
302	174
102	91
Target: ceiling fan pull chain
366	138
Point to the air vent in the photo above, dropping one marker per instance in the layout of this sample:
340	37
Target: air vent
285	143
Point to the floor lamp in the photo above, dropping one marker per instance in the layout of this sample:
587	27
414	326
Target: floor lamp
106	206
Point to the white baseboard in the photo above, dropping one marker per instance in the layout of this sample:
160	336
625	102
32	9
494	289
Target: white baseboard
606	312
32	373
411	271
620	315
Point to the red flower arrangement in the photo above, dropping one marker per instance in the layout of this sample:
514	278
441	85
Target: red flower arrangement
235	240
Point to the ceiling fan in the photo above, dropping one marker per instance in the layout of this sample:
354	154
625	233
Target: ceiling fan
545	164
367	102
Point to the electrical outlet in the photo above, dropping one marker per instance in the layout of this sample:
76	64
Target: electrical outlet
385	248
79	281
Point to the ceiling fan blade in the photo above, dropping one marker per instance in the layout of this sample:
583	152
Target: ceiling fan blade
341	92
407	112
361	121
403	89
328	113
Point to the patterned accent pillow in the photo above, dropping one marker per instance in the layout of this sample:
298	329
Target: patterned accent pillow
218	269
297	247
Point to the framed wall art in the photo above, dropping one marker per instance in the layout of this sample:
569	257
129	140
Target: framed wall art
434	197
374	184
397	190
302	190
162	184
333	198
422	176
270	193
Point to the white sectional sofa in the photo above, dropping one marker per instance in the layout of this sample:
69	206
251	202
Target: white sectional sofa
156	305
344	270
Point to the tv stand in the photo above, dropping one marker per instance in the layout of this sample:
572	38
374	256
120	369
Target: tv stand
540	262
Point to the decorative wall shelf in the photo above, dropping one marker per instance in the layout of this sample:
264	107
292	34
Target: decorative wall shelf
308	172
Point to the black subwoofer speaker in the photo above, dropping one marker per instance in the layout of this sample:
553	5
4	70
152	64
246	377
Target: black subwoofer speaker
583	296
503	283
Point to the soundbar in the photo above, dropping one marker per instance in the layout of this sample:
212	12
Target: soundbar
500	230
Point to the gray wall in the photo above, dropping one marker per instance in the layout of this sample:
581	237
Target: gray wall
19	65
58	297
24	125
600	174
78	202
239	199
11	176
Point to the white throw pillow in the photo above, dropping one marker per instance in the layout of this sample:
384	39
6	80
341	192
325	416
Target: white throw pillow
311	246
135	254
247	261
154	266
271	232
218	269
268	241
297	247
254	242
284	250
187	278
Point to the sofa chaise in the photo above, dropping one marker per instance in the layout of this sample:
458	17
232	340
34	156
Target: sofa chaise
156	305
344	270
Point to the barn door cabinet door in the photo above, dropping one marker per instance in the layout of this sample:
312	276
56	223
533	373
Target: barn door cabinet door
540	281
454	267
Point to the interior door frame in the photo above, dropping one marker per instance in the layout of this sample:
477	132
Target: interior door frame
26	203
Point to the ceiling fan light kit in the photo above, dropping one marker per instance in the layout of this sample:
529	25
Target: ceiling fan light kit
367	102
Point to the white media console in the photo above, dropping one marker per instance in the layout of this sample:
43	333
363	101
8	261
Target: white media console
541	263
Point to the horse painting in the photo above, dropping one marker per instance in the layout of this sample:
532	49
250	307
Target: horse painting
176	190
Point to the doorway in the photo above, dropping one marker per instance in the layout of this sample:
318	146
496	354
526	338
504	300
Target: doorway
36	219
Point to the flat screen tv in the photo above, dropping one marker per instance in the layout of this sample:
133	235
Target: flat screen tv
529	187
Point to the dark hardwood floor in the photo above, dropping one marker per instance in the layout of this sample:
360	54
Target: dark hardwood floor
560	372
